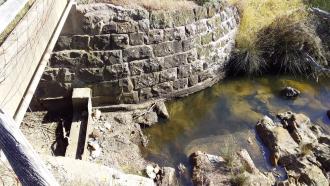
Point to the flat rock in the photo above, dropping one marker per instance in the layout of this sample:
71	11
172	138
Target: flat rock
277	139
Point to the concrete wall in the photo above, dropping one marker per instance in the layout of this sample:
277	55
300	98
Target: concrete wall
132	55
21	52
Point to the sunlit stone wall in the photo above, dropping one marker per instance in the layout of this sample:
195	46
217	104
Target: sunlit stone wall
133	55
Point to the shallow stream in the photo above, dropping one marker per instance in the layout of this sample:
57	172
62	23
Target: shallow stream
222	119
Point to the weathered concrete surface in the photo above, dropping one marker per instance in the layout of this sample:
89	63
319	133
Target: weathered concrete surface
82	108
132	55
71	172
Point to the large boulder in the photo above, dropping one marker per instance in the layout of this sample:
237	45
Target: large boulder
277	139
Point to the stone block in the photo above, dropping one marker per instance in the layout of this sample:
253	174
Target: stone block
146	80
192	80
200	13
106	88
143	66
205	75
174	61
109	28
90	75
178	33
126	27
53	89
204	51
136	39
160	19
214	22
184	71
63	59
197	66
80	42
109	57
137	53
65	75
168	75
100	42
167	48
145	94
126	85
169	34
192	56
191	43
162	89
81	98
63	43
180	84
119	41
155	36
183	17
211	10
201	26
144	25
50	74
116	71
206	38
88	60
129	98
217	34
190	29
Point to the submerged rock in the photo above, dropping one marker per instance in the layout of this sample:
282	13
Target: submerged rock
299	146
328	114
290	93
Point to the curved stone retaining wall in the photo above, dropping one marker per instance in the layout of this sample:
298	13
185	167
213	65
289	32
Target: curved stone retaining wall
132	55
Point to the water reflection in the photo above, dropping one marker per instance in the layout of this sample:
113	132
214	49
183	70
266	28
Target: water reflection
224	117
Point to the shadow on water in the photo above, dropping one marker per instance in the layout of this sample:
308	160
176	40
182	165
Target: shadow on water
224	117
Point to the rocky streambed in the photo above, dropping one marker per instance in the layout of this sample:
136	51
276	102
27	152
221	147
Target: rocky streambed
212	137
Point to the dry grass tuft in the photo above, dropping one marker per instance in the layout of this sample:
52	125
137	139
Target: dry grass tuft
275	35
150	4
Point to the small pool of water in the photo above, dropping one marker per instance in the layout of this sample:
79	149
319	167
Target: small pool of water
222	119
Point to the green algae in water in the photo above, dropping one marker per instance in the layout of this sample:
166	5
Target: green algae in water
222	119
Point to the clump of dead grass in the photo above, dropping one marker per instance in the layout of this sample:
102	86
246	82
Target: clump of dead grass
275	33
